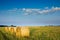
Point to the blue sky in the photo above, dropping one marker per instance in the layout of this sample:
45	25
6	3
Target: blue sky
29	12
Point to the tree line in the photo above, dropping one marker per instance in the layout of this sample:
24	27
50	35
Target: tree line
7	26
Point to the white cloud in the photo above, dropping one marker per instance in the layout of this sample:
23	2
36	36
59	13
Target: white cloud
43	11
28	11
40	11
55	8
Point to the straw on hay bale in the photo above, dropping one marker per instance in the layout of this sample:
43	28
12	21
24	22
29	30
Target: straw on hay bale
12	30
6	29
25	31
18	31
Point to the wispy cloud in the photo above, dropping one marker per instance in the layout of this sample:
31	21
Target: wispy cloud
40	11
29	11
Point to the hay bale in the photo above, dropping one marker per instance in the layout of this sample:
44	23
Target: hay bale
18	31
25	31
6	29
12	30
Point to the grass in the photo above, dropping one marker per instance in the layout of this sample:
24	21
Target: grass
36	33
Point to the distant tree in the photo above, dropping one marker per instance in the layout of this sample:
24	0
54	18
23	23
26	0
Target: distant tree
13	26
3	26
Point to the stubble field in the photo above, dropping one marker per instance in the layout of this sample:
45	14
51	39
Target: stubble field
30	33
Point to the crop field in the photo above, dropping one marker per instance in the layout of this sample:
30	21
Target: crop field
30	33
